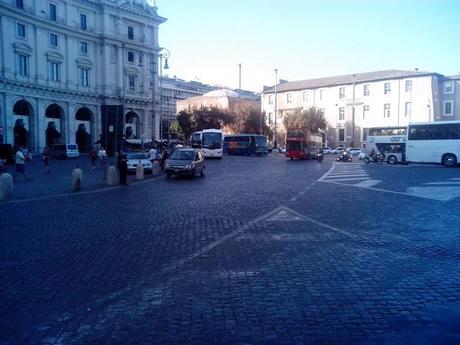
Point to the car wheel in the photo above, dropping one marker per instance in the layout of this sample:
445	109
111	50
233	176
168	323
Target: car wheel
392	160
202	173
168	175
449	160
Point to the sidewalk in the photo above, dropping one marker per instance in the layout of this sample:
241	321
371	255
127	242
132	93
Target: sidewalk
59	179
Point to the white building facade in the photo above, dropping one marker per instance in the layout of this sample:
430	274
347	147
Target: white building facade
354	103
80	71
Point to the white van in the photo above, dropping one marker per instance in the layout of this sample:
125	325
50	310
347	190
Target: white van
63	151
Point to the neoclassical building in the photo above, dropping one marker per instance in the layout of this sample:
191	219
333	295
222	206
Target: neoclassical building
354	103
78	71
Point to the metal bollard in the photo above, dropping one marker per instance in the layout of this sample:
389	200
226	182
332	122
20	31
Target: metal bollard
140	171
111	175
156	169
6	187
77	180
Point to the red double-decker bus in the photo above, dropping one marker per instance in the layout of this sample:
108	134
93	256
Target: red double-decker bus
302	144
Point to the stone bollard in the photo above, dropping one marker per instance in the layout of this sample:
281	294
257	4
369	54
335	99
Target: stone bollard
111	175
156	169
140	171
6	187
77	180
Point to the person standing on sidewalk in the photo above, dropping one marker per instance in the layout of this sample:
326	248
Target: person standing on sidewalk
123	168
93	158
46	157
20	161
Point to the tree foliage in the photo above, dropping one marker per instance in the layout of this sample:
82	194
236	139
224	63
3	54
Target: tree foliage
197	119
311	118
249	120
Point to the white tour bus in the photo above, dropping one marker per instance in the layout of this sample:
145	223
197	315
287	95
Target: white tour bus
430	142
210	141
434	142
391	141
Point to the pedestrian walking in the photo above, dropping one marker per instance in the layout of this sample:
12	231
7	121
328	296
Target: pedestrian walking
123	168
46	156
20	161
164	157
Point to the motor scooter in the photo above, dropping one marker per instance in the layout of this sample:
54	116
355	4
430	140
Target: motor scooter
344	157
320	156
376	158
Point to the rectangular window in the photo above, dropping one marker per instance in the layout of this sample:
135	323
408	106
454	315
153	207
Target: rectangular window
305	96
54	71
386	88
366	90
408	86
448	108
53	40
342	114
83	21
130	57
130	32
140	58
270	118
386	110
20	30
83	47
20	4
407	109
341	134
84	77
23	68
448	87
270	99
132	82
52	12
342	92
365	112
289	98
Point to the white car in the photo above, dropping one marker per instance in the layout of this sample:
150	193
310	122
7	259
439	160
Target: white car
135	158
327	150
354	151
362	155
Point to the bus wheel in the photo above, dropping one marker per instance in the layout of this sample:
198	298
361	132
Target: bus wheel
392	160
292	158
449	160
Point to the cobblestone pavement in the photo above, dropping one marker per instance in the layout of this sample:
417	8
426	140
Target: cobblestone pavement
261	251
59	180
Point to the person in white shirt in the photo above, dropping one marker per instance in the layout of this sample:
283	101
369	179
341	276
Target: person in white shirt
20	161
152	154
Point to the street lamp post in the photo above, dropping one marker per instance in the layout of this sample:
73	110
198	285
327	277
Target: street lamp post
353	115
276	107
164	53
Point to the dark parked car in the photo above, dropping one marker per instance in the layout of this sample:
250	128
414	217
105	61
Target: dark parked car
7	153
185	161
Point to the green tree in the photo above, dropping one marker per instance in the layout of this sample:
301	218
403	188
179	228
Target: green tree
186	123
311	118
250	120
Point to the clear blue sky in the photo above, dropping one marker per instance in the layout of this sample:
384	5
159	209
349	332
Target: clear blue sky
307	39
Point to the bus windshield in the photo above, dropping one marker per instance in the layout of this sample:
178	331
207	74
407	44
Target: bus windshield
212	140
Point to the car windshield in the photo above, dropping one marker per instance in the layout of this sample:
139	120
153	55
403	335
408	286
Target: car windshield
137	156
72	147
182	155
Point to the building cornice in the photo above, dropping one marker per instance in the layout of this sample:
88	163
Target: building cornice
64	29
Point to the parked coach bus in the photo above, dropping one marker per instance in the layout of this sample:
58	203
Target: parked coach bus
431	142
434	142
391	141
210	141
245	144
